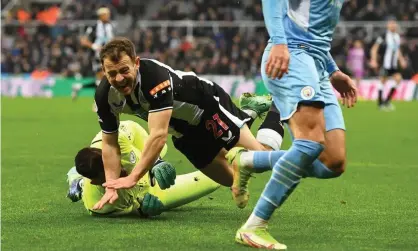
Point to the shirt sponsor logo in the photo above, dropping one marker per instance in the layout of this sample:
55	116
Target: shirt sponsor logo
160	87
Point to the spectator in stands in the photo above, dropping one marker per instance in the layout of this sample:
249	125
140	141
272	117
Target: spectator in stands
25	48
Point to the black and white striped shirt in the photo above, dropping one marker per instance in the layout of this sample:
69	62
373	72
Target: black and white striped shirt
390	43
99	34
158	87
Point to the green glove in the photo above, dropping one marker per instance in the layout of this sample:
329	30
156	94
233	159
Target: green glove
151	205
164	173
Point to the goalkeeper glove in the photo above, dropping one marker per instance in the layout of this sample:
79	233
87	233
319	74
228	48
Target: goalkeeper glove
164	173
151	205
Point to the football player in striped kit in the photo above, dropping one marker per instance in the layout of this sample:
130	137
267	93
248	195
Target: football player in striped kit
95	37
392	61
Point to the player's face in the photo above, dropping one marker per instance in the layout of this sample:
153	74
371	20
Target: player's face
122	74
392	26
105	17
358	44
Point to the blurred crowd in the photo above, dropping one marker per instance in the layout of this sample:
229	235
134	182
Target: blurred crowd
205	51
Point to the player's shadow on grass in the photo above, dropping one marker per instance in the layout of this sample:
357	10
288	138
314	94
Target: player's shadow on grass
167	215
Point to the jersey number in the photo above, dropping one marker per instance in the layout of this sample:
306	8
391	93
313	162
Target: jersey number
213	125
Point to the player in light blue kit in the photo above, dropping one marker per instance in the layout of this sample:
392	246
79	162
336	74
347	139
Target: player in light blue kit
298	71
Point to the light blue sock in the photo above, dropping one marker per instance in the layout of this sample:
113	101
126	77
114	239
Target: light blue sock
286	175
264	161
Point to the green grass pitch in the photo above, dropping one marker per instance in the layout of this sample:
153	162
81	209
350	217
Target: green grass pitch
373	206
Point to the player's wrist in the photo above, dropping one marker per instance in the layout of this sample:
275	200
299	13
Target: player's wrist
335	73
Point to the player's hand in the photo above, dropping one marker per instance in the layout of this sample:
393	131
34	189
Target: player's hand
346	87
278	61
96	47
164	173
151	205
125	182
373	64
403	63
110	196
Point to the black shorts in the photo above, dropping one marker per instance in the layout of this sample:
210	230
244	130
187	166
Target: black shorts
389	72
219	128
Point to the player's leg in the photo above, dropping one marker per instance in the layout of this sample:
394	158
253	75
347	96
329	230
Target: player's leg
299	99
383	79
207	155
271	132
219	170
237	133
75	182
189	187
397	77
331	162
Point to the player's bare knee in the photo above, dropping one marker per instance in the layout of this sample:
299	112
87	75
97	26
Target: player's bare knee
338	165
334	159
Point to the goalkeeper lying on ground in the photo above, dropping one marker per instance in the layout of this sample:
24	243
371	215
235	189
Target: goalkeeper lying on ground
153	194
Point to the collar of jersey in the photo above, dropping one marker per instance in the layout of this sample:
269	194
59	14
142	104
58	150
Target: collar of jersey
138	78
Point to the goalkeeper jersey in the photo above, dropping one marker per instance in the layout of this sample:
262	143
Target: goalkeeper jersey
131	138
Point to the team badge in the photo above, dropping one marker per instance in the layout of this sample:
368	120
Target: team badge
132	157
307	92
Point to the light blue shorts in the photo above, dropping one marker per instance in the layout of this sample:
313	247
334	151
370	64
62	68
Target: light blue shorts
306	81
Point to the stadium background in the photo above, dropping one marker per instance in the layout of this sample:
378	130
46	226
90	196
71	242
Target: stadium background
372	207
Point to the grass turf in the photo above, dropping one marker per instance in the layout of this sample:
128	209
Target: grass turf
373	206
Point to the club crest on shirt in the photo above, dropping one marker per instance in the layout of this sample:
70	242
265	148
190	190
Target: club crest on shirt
132	157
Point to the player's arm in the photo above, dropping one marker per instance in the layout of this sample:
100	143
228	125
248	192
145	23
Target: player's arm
158	128
374	51
331	65
158	91
111	155
109	123
140	136
274	11
401	58
278	61
86	39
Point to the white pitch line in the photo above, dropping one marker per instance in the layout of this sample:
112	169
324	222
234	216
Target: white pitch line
379	164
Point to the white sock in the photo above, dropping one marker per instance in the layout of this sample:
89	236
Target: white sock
270	138
255	222
247	159
251	113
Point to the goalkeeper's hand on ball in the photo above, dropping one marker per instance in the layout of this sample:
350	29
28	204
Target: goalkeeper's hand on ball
151	205
164	173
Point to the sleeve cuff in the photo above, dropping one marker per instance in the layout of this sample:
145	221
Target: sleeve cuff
278	40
